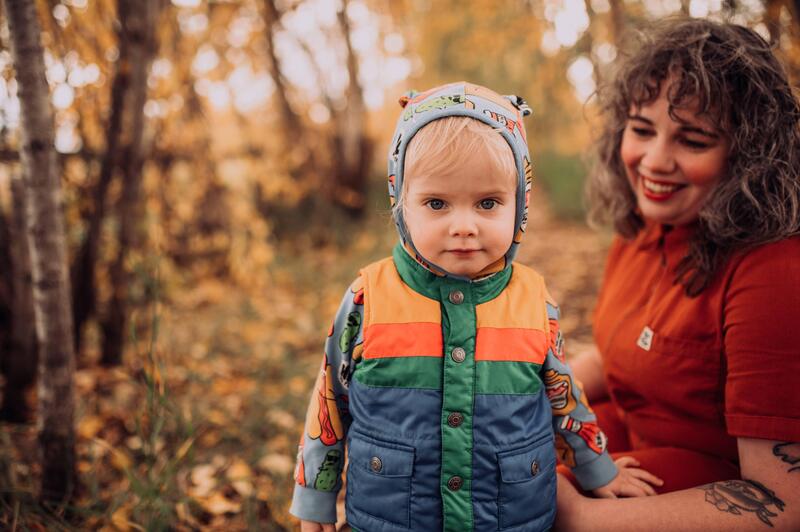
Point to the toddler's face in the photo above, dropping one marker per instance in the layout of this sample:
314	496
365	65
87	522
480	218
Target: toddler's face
461	220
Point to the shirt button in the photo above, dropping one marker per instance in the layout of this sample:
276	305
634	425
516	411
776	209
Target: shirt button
375	464
458	355
535	468
456	297
455	483
455	419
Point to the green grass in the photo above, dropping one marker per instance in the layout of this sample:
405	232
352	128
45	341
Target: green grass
562	177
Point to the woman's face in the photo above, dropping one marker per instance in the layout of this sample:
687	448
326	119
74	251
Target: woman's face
672	166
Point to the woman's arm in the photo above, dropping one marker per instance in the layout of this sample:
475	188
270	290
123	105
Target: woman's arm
768	498
587	367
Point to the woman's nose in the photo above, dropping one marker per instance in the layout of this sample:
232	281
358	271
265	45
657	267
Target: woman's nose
658	157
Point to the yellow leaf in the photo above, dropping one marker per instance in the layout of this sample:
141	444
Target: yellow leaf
239	470
282	419
277	464
204	480
90	426
120	459
240	475
218	504
184	448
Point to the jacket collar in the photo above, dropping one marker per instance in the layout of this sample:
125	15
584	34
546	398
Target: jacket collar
431	285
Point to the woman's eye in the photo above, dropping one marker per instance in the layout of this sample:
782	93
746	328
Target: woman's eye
641	131
488	204
436	204
695	144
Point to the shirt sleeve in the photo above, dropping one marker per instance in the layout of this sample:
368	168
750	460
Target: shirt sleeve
580	444
320	457
761	317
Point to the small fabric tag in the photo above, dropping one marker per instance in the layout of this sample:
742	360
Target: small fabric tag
645	340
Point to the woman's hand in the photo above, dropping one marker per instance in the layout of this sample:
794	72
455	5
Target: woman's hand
312	526
631	481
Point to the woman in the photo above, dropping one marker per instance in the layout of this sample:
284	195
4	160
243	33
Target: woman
699	172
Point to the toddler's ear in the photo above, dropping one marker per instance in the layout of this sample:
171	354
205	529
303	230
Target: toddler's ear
405	98
520	103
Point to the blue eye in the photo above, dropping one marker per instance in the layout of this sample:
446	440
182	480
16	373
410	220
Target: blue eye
488	204
436	204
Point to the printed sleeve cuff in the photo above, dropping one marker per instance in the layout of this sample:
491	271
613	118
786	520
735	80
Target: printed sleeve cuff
596	473
313	505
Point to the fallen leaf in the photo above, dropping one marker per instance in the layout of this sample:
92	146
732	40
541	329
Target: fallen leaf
240	475
218	504
277	464
204	480
90	426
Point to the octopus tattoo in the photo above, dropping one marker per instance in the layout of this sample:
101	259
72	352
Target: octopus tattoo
737	496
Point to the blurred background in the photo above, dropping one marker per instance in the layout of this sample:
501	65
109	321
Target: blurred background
223	169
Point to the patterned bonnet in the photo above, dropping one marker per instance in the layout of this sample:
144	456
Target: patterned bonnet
463	99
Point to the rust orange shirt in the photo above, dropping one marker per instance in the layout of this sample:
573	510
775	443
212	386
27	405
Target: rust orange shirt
696	373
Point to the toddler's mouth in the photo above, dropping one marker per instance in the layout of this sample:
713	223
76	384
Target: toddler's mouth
463	251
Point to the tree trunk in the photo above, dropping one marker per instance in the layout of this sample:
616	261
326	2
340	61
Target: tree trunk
138	23
617	22
19	363
289	120
772	19
45	217
84	291
5	312
300	160
353	146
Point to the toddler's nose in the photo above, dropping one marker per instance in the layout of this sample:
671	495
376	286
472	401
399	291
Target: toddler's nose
463	224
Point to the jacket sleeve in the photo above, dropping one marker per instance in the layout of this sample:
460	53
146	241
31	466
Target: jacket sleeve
320	457
580	444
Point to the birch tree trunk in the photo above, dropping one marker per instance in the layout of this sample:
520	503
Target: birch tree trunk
44	213
138	19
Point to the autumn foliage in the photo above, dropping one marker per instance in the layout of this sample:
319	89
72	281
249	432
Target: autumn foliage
222	166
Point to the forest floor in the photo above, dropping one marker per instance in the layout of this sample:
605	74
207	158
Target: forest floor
199	428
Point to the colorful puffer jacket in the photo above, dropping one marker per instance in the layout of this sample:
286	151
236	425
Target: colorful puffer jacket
454	405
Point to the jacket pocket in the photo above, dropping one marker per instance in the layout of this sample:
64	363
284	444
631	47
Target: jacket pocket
527	485
379	479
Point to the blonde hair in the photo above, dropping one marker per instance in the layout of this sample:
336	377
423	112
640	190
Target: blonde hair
455	140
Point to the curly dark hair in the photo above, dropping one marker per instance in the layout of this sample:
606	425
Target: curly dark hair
731	75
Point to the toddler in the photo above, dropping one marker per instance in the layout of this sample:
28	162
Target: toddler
444	367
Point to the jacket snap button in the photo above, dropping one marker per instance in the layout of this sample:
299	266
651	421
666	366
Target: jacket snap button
455	419
456	297
375	464
535	468
458	355
455	483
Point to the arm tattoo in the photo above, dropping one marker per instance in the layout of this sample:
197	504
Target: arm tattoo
737	496
788	452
